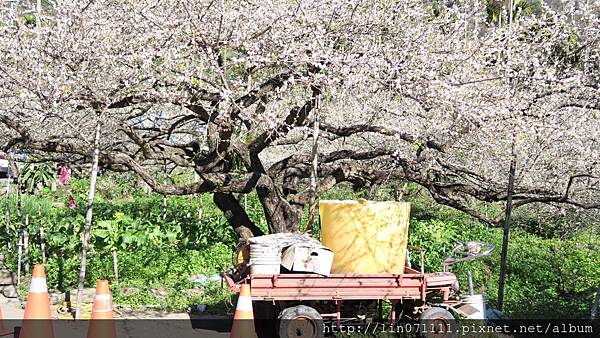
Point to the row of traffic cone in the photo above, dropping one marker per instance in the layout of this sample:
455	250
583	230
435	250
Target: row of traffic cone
37	321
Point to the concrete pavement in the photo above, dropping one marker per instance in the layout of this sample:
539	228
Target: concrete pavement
11	309
135	324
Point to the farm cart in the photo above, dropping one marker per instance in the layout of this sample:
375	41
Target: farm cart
302	302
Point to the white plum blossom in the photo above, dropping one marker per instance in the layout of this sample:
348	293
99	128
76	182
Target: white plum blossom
230	90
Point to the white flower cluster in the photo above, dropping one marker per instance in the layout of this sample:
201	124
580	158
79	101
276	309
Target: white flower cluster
452	97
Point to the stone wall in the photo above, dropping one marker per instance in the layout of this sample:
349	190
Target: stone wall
8	282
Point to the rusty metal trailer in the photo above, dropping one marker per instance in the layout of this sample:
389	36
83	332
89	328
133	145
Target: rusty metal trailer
413	293
425	298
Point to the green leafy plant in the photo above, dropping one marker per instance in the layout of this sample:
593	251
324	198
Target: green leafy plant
109	232
545	272
35	176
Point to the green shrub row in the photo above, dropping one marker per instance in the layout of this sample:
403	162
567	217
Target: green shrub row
547	277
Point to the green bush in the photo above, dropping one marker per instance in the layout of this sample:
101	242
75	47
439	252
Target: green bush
152	252
547	276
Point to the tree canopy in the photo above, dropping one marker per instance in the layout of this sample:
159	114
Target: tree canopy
439	96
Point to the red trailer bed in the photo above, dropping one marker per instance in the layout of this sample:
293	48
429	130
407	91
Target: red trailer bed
410	285
412	288
426	297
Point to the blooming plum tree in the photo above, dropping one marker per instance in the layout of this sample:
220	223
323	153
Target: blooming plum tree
404	91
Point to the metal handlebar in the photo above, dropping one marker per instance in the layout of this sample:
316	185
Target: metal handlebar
468	251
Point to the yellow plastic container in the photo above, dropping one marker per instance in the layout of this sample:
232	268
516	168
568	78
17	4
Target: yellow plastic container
366	237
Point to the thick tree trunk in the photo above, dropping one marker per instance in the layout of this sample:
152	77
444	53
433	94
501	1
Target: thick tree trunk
88	220
236	215
280	215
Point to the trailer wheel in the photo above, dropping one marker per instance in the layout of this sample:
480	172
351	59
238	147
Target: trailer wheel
437	322
301	321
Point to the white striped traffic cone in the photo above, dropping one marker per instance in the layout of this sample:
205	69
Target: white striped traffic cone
37	322
243	319
102	323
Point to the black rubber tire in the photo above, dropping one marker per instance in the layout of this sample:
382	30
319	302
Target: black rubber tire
437	322
301	321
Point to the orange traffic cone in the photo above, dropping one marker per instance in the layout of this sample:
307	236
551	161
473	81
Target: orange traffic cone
3	330
37	322
102	324
243	319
